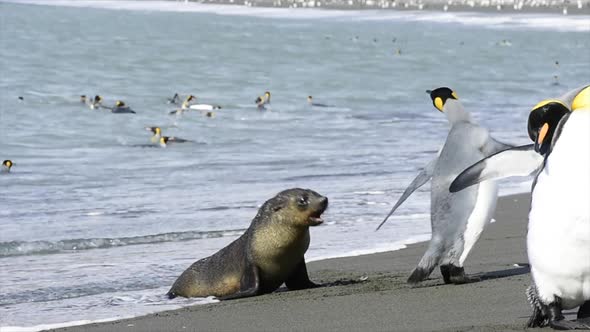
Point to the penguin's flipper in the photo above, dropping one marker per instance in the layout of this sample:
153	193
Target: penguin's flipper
492	147
418	182
177	139
518	161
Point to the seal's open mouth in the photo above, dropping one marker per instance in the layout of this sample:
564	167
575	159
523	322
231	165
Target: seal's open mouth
316	218
314	221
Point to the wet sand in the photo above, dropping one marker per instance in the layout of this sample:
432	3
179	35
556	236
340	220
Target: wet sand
369	293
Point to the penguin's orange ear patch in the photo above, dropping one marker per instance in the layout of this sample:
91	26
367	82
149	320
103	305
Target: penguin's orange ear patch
438	103
543	133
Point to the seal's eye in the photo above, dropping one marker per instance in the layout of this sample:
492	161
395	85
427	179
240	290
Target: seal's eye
302	201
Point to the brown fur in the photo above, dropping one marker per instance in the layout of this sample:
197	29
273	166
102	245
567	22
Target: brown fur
274	245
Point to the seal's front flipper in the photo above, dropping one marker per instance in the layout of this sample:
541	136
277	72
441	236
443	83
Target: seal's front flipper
249	284
418	182
518	161
299	279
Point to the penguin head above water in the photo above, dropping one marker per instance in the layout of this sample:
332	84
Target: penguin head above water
83	99
156	130
446	101
6	165
309	99
543	122
163	141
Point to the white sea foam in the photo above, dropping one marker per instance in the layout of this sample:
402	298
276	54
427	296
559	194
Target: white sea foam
42	327
495	20
383	247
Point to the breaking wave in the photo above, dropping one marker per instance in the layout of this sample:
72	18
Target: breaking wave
25	248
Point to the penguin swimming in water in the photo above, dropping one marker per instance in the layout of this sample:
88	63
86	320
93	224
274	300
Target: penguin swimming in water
157	138
185	105
165	140
6	166
558	237
457	219
260	103
121	108
174	100
263	101
204	107
96	103
310	102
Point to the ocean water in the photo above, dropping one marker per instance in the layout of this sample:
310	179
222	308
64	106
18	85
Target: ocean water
94	225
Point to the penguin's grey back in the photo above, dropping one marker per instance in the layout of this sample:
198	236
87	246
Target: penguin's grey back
450	211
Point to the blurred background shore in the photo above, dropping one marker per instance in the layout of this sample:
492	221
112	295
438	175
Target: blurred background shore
565	7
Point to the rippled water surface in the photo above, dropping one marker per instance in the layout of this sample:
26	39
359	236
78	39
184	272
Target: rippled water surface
96	225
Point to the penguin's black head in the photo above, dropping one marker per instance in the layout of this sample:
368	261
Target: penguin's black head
543	121
155	130
440	96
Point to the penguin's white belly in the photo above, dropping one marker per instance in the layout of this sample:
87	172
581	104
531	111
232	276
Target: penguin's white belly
202	107
558	239
485	205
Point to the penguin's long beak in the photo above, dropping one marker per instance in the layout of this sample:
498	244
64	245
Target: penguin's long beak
541	137
429	91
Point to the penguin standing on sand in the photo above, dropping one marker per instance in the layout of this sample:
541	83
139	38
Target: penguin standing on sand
457	219
558	238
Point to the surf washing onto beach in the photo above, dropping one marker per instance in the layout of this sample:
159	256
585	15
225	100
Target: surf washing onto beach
97	221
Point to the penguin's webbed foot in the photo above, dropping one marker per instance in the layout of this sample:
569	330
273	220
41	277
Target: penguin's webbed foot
419	274
456	275
563	324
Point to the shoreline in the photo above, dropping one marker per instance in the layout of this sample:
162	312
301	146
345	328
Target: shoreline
370	292
500	7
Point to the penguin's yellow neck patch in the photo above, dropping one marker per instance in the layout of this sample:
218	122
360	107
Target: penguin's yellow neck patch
582	99
547	101
438	103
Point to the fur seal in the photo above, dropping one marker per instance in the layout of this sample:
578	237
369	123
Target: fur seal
270	252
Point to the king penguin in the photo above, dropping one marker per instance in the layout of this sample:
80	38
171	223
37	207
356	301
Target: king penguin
558	237
457	219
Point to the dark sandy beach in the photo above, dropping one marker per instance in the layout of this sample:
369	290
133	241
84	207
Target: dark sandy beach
369	293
